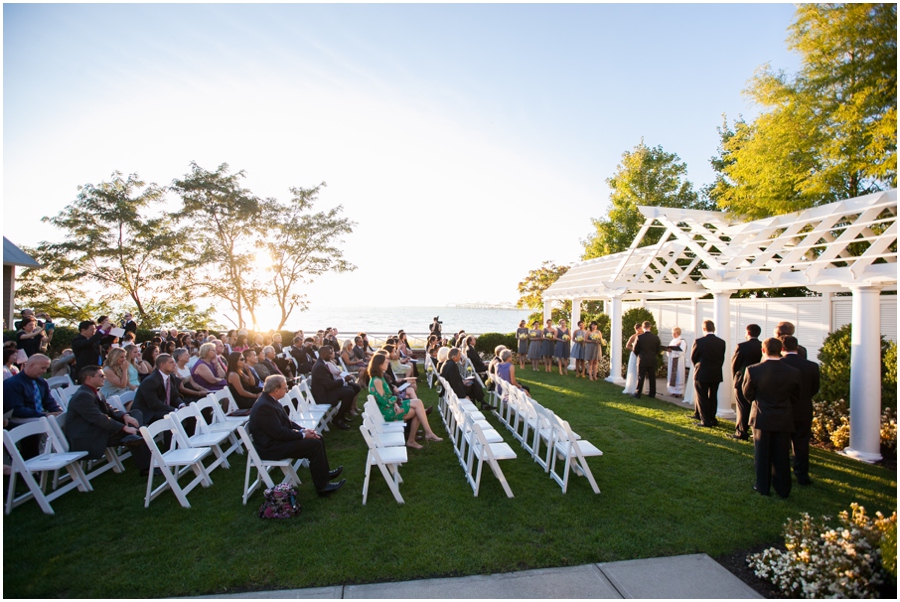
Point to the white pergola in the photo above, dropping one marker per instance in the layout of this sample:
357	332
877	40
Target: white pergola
848	245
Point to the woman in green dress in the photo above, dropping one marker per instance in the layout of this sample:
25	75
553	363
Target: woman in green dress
394	409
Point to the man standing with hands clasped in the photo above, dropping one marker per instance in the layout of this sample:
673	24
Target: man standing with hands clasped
745	354
646	348
803	411
707	355
774	389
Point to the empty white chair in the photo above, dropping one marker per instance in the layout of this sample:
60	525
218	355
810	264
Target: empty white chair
60	381
566	445
183	456
202	435
388	461
227	404
382	438
48	462
126	398
480	452
288	466
219	422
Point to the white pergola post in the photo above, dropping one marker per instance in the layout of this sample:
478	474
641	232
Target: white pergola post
689	382
548	311
576	315
722	320
615	341
865	375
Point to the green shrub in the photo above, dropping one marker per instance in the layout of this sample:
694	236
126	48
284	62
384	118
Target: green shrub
834	358
638	315
889	551
487	342
557	314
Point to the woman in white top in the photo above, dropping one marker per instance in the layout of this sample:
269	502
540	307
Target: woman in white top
631	372
675	384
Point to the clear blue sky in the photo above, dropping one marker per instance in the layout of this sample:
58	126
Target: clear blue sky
459	137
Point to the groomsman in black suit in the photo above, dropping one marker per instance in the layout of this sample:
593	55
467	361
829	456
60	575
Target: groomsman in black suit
708	356
646	348
774	389
786	329
803	411
745	354
326	388
128	323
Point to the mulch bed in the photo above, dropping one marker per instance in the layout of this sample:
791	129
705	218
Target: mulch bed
736	563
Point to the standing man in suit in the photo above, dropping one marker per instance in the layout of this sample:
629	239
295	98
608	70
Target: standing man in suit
333	391
158	394
708	356
86	346
786	329
803	411
774	389
646	348
92	425
128	323
275	437
745	354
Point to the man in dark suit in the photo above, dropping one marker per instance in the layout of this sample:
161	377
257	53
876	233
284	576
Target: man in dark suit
646	348
328	389
157	395
477	363
92	425
86	346
267	366
275	437
128	323
786	329
463	388
745	354
774	389
803	410
708	356
301	351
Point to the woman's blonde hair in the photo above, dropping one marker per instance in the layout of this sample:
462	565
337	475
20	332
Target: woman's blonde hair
204	350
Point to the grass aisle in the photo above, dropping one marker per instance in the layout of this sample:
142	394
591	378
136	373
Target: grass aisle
666	488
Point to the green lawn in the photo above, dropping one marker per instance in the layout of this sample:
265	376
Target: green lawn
666	488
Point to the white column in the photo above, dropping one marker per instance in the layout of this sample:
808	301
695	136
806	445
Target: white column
722	320
548	311
615	341
576	315
865	375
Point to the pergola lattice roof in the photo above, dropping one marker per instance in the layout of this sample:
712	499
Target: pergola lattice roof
850	242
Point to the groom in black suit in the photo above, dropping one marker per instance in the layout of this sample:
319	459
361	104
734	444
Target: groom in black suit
708	356
646	348
803	410
774	388
745	354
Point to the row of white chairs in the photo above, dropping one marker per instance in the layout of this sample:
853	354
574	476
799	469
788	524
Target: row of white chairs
536	427
475	441
386	446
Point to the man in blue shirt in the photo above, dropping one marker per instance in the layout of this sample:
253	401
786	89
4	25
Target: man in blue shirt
27	394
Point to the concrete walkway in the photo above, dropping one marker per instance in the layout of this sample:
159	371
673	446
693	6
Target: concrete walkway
689	576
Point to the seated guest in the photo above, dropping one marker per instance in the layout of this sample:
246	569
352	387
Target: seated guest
406	354
252	377
240	344
507	370
393	408
263	368
115	372
475	358
365	344
400	376
462	388
276	342
30	336
495	361
62	365
331	339
9	358
27	394
158	394
208	372
133	355
359	350
92	425
148	357
352	361
302	352
244	394
168	347
275	437
333	391
86	346
257	341
187	387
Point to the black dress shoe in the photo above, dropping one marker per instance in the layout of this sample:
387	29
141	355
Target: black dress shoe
701	425
805	482
739	438
637	395
333	474
132	441
331	488
341	425
760	492
486	407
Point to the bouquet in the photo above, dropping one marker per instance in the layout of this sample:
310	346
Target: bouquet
550	335
565	337
535	334
579	339
596	336
523	336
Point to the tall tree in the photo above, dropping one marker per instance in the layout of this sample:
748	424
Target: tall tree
828	133
111	242
303	245
227	224
536	282
646	176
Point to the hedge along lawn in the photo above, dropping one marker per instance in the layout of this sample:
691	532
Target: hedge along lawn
667	488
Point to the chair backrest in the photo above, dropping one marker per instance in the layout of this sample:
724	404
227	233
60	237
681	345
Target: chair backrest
126	397
116	402
223	396
35	427
60	381
253	456
66	392
211	403
58	424
150	432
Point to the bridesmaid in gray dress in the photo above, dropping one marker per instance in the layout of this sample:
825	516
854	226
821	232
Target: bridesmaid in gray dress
561	353
522	337
591	350
549	345
534	347
578	349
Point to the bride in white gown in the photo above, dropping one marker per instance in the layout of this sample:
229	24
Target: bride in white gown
631	372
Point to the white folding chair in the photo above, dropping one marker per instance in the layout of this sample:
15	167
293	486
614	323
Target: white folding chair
116	402
126	398
60	381
543	435
482	451
288	466
183	456
227	404
388	460
568	446
382	438
202	435
64	394
381	425
45	464
430	371
306	420
111	458
218	422
301	409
